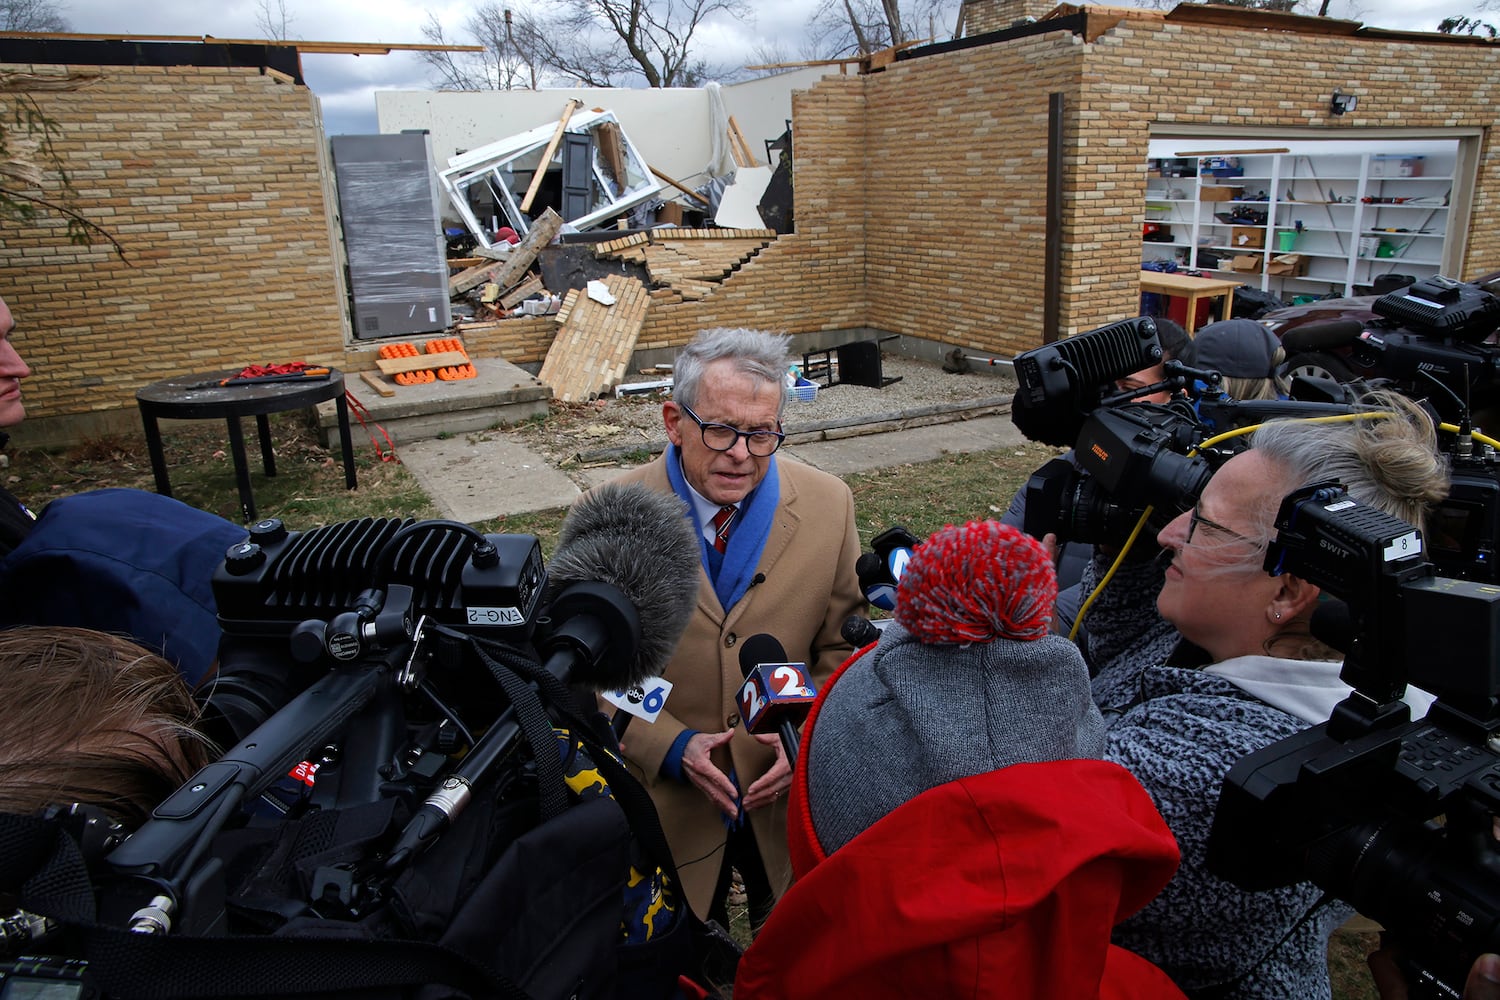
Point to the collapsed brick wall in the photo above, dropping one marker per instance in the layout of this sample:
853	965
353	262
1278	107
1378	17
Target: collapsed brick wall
980	16
211	180
919	200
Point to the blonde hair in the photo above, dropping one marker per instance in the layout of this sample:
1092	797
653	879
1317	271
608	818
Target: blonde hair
1391	463
92	717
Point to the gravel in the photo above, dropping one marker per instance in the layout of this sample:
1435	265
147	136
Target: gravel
606	429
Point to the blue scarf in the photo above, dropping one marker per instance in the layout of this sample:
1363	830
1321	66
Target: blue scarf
746	542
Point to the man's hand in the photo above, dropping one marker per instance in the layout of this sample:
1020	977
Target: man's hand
1483	982
770	786
705	774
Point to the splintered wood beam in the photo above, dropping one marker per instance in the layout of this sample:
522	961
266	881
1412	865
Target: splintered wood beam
541	168
682	187
738	139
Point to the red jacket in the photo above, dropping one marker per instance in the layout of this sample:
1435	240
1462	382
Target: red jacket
1004	884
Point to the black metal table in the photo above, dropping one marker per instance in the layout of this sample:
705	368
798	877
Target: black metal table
202	397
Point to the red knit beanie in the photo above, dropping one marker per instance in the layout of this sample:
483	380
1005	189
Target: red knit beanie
981	582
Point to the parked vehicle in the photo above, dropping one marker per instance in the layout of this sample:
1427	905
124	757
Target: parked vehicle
1435	329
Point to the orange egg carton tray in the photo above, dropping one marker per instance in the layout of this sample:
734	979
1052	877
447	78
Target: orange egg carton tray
443	359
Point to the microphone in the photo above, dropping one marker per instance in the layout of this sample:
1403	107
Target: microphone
620	590
880	570
776	695
859	631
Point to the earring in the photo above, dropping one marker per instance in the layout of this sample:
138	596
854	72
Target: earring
1278	616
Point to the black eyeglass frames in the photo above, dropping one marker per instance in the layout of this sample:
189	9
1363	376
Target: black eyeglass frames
722	437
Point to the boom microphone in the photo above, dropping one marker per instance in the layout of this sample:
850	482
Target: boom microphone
639	542
776	694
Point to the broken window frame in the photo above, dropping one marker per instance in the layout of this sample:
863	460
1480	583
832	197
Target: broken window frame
486	165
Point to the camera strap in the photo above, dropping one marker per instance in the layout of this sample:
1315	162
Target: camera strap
42	863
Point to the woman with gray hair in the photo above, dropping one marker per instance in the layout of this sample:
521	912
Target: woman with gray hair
1225	664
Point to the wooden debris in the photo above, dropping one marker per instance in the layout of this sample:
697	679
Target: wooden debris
399	366
541	171
507	272
594	342
522	292
377	383
737	140
682	187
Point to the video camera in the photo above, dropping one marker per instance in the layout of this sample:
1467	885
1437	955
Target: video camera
1126	455
1391	815
387	686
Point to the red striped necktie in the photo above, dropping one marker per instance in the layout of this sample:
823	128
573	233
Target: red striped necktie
721	523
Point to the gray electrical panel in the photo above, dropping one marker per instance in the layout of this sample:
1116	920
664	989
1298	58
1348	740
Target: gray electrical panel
393	236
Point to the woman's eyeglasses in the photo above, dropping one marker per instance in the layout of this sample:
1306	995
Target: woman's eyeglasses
722	437
1195	518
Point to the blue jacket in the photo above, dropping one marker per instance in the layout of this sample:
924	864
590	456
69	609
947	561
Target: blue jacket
123	561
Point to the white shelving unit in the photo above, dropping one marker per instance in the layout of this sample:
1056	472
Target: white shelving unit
1351	211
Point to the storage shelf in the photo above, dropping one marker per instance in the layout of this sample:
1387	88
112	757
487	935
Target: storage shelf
1331	230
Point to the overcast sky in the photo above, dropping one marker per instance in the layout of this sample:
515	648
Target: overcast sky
345	84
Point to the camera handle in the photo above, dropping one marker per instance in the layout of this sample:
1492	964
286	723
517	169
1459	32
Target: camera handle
165	854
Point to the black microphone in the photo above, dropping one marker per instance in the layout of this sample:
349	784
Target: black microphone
859	631
621	588
776	695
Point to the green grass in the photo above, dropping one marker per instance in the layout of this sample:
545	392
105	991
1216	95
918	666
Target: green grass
309	492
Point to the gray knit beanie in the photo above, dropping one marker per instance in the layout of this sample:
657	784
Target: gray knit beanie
912	714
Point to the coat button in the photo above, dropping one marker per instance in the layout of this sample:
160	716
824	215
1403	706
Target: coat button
732	721
730	640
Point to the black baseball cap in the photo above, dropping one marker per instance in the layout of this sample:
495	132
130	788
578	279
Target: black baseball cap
1235	348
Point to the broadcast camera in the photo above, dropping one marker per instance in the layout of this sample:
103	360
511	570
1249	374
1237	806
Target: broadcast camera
387	692
1393	816
1127	456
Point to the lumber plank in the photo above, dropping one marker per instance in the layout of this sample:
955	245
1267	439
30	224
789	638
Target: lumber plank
442	359
378	384
521	292
681	187
739	137
508	271
541	171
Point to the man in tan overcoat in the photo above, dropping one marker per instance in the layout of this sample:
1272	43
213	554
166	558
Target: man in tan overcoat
779	546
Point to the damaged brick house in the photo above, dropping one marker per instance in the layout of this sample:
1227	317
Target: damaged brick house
985	193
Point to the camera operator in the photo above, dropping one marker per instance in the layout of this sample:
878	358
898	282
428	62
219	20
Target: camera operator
1073	556
92	717
1246	353
117	560
1244	673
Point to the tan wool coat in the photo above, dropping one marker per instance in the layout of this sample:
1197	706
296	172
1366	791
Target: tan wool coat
809	589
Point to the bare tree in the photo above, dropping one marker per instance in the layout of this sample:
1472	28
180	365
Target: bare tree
608	42
274	19
28	161
32	15
508	61
858	27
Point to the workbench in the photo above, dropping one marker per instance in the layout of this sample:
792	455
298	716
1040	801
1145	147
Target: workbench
205	397
1192	289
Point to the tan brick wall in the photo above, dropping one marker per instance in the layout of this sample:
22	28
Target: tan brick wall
210	179
981	16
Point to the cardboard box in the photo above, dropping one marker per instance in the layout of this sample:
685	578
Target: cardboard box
1219	192
1396	166
1246	262
1247	237
1287	265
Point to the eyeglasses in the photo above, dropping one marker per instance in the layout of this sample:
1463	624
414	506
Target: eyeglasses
1195	518
722	437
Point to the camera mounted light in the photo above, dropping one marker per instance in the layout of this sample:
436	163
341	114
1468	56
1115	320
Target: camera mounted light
1340	102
